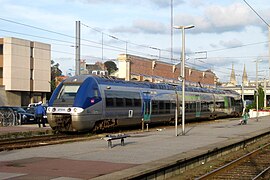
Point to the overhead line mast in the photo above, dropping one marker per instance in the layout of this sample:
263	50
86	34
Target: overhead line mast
78	47
268	31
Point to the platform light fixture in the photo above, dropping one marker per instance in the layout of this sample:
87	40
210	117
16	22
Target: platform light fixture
182	76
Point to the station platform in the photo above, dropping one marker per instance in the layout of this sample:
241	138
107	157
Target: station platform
95	160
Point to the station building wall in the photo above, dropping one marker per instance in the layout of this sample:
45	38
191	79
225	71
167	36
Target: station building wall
24	71
144	69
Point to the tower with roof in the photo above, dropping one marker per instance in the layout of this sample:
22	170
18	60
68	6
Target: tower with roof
244	77
232	78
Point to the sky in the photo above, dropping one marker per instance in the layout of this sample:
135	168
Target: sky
227	32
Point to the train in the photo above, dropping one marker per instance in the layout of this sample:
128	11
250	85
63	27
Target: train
93	103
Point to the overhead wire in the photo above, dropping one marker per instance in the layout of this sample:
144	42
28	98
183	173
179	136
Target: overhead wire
108	47
98	43
256	13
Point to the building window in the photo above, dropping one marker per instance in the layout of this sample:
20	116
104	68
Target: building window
31	52
1	72
1	49
31	74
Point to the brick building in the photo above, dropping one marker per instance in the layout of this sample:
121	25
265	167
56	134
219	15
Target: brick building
144	69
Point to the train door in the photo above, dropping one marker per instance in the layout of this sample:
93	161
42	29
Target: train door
147	108
227	105
198	106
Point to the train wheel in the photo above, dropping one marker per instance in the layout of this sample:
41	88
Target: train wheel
99	126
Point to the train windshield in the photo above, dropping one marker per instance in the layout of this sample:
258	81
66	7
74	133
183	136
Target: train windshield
68	91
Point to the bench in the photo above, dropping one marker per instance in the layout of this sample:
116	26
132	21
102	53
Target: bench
112	137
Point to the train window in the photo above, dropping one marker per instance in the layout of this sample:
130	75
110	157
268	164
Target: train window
122	98
161	107
154	107
137	102
109	102
220	104
233	102
68	91
167	107
119	102
204	106
129	102
173	105
187	106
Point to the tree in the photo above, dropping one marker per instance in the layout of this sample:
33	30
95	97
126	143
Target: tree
111	66
55	71
260	98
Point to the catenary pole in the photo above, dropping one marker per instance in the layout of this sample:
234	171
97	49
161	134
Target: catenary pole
77	47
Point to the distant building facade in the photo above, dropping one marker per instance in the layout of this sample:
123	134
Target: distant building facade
132	67
25	71
97	69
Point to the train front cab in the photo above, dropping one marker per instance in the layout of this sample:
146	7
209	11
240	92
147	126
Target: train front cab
75	105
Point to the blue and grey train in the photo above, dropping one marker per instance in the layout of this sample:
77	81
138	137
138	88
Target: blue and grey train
86	102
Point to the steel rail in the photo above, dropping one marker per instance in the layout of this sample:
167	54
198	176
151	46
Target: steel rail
232	164
262	173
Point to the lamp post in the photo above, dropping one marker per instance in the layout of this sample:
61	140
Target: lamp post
257	90
183	72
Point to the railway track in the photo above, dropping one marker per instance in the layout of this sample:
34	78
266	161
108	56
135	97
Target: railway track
254	165
11	144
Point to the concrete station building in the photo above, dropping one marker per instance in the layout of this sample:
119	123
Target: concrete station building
25	71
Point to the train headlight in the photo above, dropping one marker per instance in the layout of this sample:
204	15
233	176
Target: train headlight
49	109
69	109
77	110
54	109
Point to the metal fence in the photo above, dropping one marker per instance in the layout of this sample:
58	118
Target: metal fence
8	117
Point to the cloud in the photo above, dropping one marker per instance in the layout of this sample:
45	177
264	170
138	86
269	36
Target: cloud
219	19
231	43
214	19
98	1
166	3
150	27
123	29
158	3
196	3
213	45
142	26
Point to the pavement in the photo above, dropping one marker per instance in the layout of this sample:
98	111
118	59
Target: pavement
93	159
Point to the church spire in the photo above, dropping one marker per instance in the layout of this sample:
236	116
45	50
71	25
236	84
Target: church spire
244	77
233	79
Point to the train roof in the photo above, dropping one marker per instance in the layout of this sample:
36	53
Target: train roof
163	86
